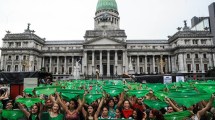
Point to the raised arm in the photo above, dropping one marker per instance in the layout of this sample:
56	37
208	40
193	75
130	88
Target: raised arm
27	114
65	108
98	109
207	107
121	99
172	105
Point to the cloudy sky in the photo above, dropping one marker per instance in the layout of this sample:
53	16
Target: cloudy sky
68	19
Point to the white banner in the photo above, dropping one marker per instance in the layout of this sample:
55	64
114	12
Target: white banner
179	78
167	79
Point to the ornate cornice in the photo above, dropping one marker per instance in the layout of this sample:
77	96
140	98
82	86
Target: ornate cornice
62	51
23	36
99	38
18	49
190	34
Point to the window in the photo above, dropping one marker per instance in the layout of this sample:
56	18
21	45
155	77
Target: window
197	67
203	41
90	57
141	59
70	60
195	42
70	70
132	47
25	44
153	47
206	67
9	57
10	44
97	57
204	56
148	59
23	68
18	44
119	57
56	48
188	67
24	57
187	42
49	48
111	57
55	70
196	56
188	55
8	68
16	68
17	57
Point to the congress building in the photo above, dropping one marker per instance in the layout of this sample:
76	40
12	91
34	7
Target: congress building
107	49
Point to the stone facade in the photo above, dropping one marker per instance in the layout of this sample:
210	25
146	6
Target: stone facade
106	48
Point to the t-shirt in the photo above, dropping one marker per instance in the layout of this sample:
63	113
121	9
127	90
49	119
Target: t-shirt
59	117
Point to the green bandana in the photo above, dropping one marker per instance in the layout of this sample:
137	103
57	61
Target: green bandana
12	114
28	101
90	98
156	104
177	115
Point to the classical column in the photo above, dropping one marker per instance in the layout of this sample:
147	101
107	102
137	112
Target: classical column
185	63
65	69
180	63
213	60
12	65
73	62
201	63
138	64
108	63
193	64
2	62
85	62
169	64
210	60
43	64
31	67
161	64
116	62
57	64
20	63
93	58
146	72
153	64
100	63
125	61
173	64
50	64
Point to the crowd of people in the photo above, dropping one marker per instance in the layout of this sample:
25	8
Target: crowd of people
121	106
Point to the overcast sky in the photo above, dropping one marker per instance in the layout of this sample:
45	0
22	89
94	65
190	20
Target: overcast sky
68	19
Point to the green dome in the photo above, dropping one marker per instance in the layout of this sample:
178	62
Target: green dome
106	5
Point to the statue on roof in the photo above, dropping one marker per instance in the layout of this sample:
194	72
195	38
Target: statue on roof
28	26
185	23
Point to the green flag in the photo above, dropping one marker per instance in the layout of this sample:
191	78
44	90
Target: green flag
28	91
12	114
177	115
90	98
137	93
156	104
28	101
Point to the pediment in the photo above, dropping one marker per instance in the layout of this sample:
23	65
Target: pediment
104	41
